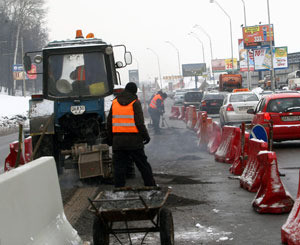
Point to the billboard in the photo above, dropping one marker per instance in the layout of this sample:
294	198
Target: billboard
218	65
262	58
222	65
134	76
243	57
257	36
191	70
228	64
18	72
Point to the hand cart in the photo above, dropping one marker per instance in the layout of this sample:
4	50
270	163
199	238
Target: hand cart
132	204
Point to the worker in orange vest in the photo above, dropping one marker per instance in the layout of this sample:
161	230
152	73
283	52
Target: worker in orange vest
128	134
157	109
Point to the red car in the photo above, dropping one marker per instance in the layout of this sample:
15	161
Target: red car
284	110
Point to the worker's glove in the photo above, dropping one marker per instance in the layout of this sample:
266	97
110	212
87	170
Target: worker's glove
146	141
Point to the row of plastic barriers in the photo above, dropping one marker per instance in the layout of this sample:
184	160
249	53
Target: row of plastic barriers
253	164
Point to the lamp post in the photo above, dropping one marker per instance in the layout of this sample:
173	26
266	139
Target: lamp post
158	65
248	69
211	51
193	34
214	1
178	56
272	74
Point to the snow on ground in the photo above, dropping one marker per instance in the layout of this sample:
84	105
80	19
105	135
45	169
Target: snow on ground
13	110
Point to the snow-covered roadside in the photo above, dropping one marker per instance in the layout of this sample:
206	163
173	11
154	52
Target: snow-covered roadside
13	110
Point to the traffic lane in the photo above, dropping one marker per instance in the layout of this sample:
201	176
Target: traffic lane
4	147
288	154
208	207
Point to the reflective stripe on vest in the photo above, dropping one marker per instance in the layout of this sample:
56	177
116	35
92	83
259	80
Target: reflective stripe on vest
123	118
153	101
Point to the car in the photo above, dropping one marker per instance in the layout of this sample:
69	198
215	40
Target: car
211	102
193	98
179	97
284	111
235	106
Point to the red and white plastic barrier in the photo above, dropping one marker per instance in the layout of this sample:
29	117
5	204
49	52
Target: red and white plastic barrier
10	160
202	116
198	122
252	174
192	117
239	163
175	112
182	113
186	116
230	141
214	138
290	231
272	196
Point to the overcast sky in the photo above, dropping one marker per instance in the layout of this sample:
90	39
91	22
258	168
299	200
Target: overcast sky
141	24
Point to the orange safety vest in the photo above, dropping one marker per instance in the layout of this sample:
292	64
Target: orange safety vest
153	101
123	118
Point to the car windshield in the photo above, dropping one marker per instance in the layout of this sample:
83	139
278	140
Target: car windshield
213	97
243	97
193	96
77	75
284	105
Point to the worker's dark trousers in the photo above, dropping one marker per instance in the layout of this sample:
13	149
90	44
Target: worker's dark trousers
155	117
123	157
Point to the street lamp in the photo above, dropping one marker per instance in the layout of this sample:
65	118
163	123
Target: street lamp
272	74
193	34
214	1
248	70
158	65
211	52
177	56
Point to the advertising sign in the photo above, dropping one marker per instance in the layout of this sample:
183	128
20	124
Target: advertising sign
134	76
257	36
191	70
228	64
31	73
18	72
172	77
243	57
218	65
262	58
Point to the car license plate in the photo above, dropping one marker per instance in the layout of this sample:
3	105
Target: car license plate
213	103
290	118
244	108
77	109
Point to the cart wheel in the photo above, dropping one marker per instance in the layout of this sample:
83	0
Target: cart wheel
166	227
100	233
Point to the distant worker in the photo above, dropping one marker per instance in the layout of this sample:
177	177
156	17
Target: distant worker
157	109
127	134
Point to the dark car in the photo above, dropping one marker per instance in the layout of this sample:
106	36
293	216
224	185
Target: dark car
192	98
211	102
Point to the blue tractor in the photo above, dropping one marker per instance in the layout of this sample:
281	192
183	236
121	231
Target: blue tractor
69	117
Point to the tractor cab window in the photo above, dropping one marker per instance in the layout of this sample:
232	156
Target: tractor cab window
78	75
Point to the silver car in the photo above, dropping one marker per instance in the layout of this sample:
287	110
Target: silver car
235	106
179	98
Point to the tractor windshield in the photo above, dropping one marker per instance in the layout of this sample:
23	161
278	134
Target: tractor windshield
77	75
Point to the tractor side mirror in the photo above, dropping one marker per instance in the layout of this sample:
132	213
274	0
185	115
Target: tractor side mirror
27	62
128	58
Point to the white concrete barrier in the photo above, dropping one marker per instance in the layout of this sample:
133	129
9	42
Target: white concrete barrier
31	209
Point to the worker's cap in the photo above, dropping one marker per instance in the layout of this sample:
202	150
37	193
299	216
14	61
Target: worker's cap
131	88
164	95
